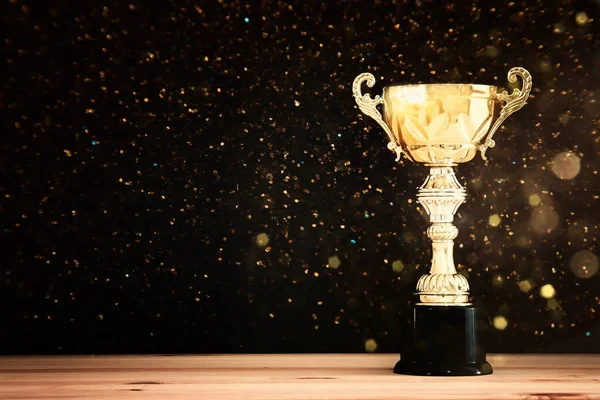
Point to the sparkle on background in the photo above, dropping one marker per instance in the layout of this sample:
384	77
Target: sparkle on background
193	169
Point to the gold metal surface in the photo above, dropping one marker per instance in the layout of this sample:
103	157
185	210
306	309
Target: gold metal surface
440	196
438	123
442	125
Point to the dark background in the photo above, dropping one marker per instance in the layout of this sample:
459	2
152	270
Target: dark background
182	176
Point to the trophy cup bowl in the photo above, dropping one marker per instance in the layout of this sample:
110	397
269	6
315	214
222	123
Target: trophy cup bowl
442	125
440	122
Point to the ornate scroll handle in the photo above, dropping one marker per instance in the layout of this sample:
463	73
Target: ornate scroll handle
514	102
368	106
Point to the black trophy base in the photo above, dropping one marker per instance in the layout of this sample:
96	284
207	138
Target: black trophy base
443	342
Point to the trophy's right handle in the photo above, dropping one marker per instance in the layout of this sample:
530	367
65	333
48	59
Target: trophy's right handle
368	106
514	102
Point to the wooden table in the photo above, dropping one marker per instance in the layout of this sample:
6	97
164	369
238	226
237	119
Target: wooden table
280	377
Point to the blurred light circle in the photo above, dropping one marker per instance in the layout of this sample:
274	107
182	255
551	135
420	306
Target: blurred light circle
566	165
592	103
397	266
578	231
497	280
536	183
581	18
500	322
334	262
545	66
535	200
584	264
544	219
262	240
547	291
525	286
472	259
522	241
494	220
370	345
492	51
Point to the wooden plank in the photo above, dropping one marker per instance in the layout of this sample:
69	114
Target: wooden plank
290	377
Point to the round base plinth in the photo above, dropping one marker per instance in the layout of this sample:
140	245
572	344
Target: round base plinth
413	368
443	341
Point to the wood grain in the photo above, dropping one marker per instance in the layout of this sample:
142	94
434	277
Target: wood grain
292	376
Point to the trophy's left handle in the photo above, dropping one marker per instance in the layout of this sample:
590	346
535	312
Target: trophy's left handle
514	102
368	106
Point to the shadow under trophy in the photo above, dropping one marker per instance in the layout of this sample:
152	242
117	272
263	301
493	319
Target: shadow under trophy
442	125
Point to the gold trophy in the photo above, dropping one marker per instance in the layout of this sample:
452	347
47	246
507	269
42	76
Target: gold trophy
442	125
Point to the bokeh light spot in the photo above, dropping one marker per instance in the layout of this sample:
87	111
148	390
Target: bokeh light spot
584	264
535	200
581	18
397	266
578	231
497	280
564	118
523	241
492	51
500	322
334	262
371	345
547	291
545	66
407	237
262	240
494	220
552	304
525	286
544	219
566	165
558	27
472	258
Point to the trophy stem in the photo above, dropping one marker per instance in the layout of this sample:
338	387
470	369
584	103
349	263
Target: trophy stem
443	338
441	195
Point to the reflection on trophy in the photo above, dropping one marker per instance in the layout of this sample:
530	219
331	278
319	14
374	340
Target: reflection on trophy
442	125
